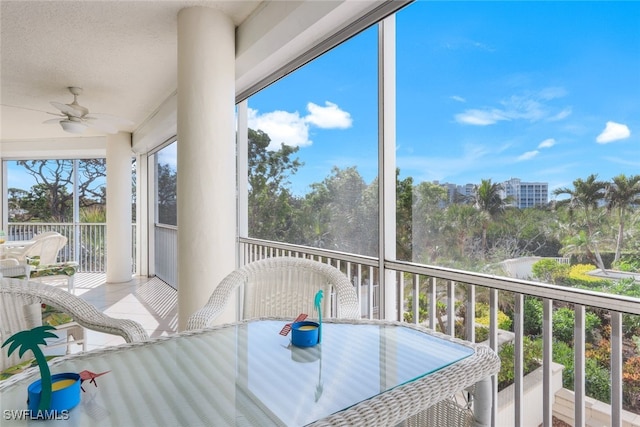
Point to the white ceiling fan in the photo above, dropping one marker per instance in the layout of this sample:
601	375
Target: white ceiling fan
76	119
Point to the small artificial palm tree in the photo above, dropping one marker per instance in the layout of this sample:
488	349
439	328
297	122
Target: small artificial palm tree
31	340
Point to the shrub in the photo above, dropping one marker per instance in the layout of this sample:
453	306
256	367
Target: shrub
628	263
482	333
482	317
627	286
577	277
597	381
563	354
532	320
422	308
532	354
504	321
564	321
482	309
600	353
549	270
93	213
579	272
631	374
597	376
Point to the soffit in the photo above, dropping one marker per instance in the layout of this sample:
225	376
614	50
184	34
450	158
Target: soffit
122	53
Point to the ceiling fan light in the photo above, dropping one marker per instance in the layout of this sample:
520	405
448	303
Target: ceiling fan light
73	127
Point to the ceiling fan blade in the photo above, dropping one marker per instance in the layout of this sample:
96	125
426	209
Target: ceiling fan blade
68	109
101	125
52	120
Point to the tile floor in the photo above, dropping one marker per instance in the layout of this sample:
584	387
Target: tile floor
149	301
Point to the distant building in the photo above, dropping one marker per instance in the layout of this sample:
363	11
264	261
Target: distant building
455	192
522	194
526	194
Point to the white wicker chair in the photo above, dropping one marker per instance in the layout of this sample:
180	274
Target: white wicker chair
44	251
10	267
283	287
46	247
20	302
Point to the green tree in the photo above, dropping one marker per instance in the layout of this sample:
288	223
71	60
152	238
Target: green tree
271	208
91	184
524	232
51	198
428	218
461	222
579	244
314	217
167	196
16	200
585	197
404	217
349	207
31	340
621	196
488	200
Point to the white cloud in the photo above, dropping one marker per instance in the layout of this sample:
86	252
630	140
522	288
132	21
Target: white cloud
561	115
528	155
530	106
458	98
282	127
623	161
552	93
480	117
328	117
547	143
473	158
613	132
292	129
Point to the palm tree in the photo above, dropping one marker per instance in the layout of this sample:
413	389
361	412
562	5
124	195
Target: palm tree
586	196
578	244
461	220
31	340
621	195
488	200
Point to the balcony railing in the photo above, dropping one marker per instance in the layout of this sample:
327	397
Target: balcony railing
446	288
86	242
166	253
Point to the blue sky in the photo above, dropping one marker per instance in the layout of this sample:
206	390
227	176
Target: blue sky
542	91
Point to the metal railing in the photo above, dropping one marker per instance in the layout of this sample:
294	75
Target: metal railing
166	253
86	242
445	289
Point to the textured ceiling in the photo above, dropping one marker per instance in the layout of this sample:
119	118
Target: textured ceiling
122	53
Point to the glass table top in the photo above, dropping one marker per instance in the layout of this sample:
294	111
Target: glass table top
247	374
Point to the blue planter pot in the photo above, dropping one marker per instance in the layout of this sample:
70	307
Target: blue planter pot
304	334
65	394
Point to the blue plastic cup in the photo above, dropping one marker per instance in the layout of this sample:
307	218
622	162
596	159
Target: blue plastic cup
304	334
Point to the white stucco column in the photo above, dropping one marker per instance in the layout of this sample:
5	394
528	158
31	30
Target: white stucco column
5	195
206	155
119	156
